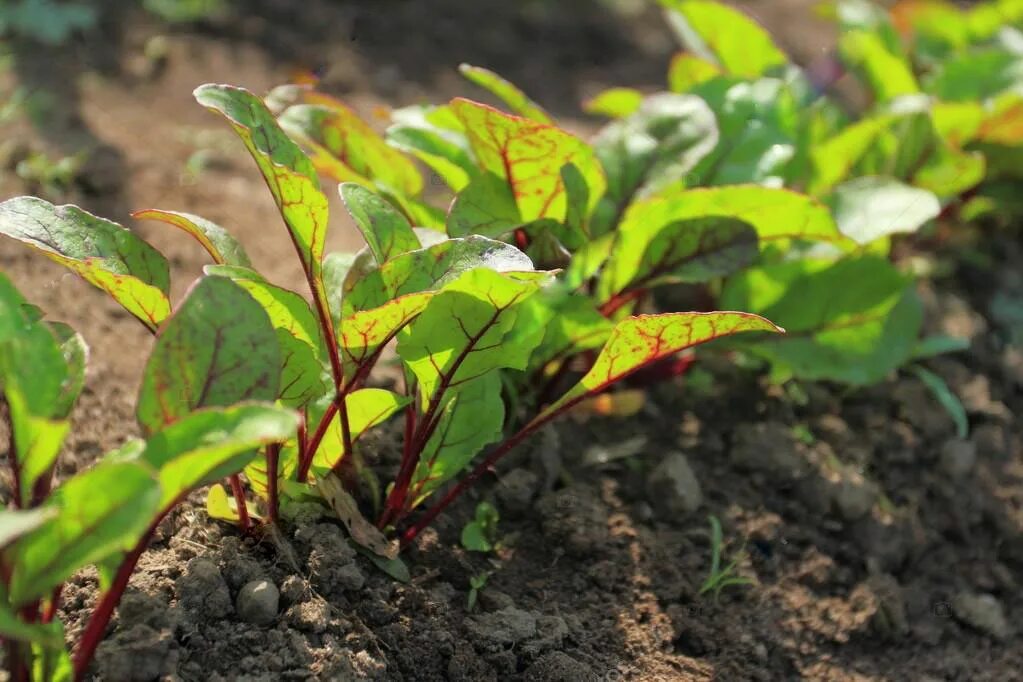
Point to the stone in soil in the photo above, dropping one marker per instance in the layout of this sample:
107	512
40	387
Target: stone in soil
982	612
672	487
501	629
202	590
257	602
138	654
516	490
958	458
576	519
769	448
310	616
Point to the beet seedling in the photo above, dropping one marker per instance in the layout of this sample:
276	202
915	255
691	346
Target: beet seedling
199	427
465	310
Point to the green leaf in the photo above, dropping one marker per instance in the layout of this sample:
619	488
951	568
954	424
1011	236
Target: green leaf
949	173
758	126
575	326
718	33
460	334
480	534
336	267
218	348
836	331
833	159
364	333
946	398
507	92
87	528
38	385
656	146
17	522
288	172
976	76
777	215
639	341
486	207
686	71
13	628
689	250
872	207
472	418
220	506
331	125
76	357
221	246
366	407
385	229
208	445
302	352
614	102
103	253
436	137
887	74
430	268
529	156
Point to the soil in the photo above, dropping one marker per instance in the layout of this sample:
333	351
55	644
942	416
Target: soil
877	544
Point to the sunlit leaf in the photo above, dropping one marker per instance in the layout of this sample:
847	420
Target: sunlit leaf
472	418
460	334
217	349
486	206
529	155
86	528
507	92
638	341
887	73
366	407
724	35
221	246
873	207
101	252
363	333
853	334
332	125
430	268
385	229
688	70
688	250
289	174
614	102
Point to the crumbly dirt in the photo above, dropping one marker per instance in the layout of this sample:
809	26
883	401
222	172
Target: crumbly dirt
878	545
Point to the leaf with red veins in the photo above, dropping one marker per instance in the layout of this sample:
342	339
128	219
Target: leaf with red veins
222	247
331	126
639	341
102	252
507	92
288	172
303	353
218	348
364	333
688	250
427	269
778	215
529	155
462	332
366	408
386	230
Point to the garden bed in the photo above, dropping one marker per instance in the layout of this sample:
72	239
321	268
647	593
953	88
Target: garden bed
880	545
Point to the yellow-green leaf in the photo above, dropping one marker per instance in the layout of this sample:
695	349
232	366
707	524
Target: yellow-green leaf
102	252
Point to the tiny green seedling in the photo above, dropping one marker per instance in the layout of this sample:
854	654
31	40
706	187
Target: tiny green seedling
480	534
476	585
720	576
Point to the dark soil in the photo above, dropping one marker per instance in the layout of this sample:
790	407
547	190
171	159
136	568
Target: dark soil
879	546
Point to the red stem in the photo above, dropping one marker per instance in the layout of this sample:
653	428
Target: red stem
346	444
239	498
273	456
51	609
314	442
101	615
612	305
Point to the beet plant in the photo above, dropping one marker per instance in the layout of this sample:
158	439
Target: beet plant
199	415
470	315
